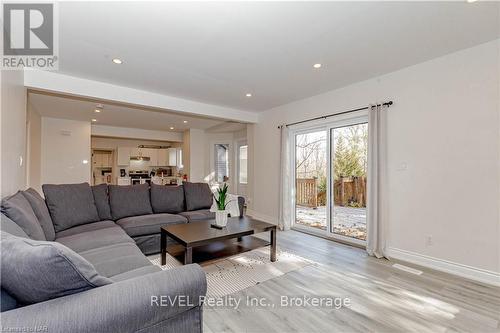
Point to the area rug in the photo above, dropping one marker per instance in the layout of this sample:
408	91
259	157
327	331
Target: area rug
238	272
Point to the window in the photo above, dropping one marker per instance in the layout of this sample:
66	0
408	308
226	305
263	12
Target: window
242	156
221	163
180	165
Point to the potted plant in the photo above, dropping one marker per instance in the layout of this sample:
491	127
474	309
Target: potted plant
220	200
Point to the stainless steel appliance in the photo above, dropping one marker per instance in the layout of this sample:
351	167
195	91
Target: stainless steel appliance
139	177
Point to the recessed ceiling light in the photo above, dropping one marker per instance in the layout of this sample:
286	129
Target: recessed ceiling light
185	121
94	120
317	66
171	127
248	95
97	110
471	1
117	61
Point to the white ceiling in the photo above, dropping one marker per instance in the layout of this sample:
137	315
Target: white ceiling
55	106
216	52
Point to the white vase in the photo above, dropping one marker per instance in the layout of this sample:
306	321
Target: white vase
221	218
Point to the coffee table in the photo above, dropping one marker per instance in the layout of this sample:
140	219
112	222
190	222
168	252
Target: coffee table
199	233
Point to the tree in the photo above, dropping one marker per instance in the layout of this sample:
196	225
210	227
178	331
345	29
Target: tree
350	151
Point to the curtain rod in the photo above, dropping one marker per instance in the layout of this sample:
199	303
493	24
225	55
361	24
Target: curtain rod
334	114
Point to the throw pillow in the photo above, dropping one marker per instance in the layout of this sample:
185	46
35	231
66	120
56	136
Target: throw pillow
129	200
70	205
19	210
36	271
167	199
198	196
41	211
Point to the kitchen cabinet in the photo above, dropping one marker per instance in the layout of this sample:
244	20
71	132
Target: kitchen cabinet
152	154
123	156
167	157
162	157
135	152
102	159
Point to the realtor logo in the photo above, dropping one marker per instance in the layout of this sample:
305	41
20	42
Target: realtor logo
29	33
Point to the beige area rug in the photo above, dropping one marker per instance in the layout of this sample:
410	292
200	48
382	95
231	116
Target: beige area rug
238	272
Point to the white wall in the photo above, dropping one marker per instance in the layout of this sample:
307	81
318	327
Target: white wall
197	155
445	126
34	149
13	125
135	133
186	152
63	155
114	143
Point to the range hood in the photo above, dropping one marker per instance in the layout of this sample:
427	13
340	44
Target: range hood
139	158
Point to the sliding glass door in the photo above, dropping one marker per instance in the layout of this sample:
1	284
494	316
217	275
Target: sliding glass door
348	169
330	169
310	179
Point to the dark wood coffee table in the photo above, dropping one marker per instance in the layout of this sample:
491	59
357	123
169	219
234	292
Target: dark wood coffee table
200	233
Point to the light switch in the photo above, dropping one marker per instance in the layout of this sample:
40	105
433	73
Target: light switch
403	166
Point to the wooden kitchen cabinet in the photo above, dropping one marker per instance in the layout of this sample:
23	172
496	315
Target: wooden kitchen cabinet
102	159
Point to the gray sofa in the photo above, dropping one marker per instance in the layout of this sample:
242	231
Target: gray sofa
112	227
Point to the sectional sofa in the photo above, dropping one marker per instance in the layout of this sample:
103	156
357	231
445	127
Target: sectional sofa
108	230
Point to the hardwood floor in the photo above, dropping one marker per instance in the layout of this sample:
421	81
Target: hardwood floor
383	298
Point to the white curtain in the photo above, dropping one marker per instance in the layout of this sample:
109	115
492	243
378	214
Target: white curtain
284	219
377	165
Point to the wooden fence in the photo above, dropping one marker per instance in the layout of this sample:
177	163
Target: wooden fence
307	192
350	191
346	192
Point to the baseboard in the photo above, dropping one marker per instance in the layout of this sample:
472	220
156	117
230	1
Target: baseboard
469	272
262	217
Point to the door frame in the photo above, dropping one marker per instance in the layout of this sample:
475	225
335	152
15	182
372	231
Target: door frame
359	117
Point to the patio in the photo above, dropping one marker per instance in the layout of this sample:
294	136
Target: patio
347	221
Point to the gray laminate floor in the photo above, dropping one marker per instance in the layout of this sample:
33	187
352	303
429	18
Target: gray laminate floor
382	298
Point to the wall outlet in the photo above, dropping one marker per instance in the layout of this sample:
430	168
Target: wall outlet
429	241
403	166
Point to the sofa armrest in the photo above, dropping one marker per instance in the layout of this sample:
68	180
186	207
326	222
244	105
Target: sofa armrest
241	205
125	306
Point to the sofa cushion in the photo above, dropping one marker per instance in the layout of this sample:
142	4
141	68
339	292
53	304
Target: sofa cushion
36	271
198	215
129	200
7	302
167	199
96	238
135	273
86	227
19	210
116	259
11	227
41	212
197	195
148	224
101	200
70	205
